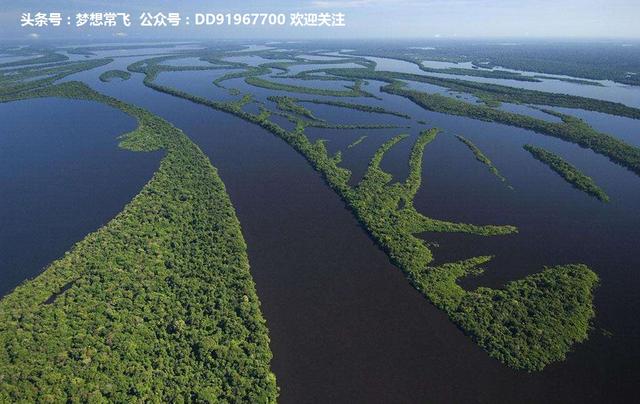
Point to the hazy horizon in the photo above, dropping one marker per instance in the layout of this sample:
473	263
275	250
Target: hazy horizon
365	19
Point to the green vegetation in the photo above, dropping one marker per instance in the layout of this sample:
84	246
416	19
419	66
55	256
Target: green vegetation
47	56
289	104
499	320
357	142
357	107
114	74
271	85
589	61
171	299
493	94
478	69
89	50
595	61
527	324
252	76
481	157
567	171
249	71
570	129
13	81
297	61
324	125
492	74
290	108
156	306
417	59
159	305
570	80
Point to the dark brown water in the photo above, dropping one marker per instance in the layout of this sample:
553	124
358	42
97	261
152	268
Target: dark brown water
344	323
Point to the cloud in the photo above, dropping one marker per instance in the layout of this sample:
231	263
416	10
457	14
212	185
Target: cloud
33	35
120	34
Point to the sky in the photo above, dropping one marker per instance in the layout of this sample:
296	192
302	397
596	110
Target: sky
363	19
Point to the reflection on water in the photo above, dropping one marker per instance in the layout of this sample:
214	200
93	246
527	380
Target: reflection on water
345	325
610	91
62	176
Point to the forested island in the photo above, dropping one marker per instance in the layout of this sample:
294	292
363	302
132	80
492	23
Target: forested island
114	74
567	171
481	157
385	209
159	304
